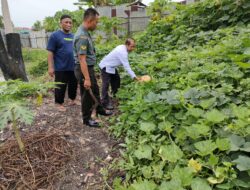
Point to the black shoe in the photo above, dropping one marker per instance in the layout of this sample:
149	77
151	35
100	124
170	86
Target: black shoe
108	106
105	113
91	123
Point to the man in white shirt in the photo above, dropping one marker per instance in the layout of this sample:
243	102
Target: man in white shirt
110	75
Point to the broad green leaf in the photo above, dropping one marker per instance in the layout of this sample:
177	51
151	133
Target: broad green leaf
215	116
213	160
158	170
205	147
174	184
243	65
246	147
247	51
146	115
146	172
144	151
220	172
144	185
185	175
197	130
166	126
171	153
243	163
20	111
241	112
223	144
196	112
224	186
172	97
147	127
205	104
200	184
193	96
236	142
240	183
151	97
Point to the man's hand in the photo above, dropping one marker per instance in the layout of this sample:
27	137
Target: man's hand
137	78
51	71
87	84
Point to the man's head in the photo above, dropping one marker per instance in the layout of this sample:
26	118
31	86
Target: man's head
90	19
130	44
66	23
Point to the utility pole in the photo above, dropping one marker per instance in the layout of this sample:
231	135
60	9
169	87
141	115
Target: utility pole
8	28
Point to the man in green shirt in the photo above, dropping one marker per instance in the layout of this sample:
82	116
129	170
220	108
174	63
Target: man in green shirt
85	59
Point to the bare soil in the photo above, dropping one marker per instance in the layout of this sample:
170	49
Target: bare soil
93	148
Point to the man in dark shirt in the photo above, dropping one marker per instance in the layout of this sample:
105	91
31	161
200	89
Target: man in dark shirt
85	59
61	62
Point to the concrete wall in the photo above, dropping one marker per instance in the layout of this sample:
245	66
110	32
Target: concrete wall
104	11
138	20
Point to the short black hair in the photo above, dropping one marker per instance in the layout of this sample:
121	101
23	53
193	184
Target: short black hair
65	16
90	13
129	40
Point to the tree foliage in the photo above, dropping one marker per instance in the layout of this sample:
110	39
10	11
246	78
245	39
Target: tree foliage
108	24
96	3
158	9
37	26
53	23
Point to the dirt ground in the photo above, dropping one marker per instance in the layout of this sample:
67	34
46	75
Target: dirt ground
94	149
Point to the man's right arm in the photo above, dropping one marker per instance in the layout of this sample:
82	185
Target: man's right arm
124	60
85	71
51	48
81	49
51	70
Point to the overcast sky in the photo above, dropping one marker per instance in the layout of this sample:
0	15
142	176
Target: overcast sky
25	12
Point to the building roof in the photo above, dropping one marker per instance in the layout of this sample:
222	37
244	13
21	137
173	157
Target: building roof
137	3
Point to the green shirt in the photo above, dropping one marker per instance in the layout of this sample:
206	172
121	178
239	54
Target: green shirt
83	45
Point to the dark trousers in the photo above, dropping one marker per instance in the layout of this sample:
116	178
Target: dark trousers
113	80
69	80
86	99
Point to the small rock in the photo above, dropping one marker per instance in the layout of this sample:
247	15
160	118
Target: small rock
87	177
109	158
92	166
82	141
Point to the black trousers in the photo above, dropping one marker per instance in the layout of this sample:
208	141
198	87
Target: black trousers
69	80
112	79
86	100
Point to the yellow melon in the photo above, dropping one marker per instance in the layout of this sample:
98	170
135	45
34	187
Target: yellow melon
145	78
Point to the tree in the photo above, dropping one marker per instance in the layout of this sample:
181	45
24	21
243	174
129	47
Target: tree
51	24
1	22
118	2
96	3
157	9
37	26
108	24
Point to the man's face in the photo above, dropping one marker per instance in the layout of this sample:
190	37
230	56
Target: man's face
66	24
93	23
131	46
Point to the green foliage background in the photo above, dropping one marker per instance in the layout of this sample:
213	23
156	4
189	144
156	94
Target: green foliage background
189	127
